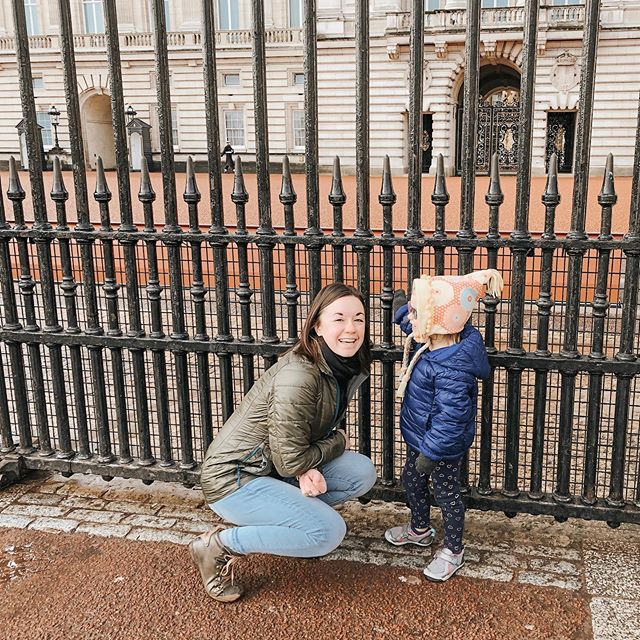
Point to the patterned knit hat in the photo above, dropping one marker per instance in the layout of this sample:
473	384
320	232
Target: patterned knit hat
442	305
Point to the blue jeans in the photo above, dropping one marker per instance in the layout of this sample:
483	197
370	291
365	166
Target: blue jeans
274	517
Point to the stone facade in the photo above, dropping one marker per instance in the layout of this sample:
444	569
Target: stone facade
557	78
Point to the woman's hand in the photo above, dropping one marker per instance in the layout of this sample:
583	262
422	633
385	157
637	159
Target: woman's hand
312	483
347	444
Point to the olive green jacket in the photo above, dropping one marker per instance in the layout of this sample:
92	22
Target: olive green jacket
287	421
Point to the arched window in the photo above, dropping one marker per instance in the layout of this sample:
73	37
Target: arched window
93	16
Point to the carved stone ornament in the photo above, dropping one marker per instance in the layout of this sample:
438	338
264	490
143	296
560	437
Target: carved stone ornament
426	74
565	72
393	51
441	48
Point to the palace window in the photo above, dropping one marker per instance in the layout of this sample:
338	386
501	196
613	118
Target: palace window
93	16
431	5
44	120
229	14
297	129
565	2
32	17
296	14
174	127
234	127
494	4
298	79
231	79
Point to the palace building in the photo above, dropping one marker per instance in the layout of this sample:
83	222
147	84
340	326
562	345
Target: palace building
559	49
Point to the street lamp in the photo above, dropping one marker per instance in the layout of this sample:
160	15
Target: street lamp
54	114
131	114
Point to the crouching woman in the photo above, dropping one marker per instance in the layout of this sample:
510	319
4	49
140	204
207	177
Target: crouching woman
280	463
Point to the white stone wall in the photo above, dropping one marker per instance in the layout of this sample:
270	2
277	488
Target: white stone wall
615	107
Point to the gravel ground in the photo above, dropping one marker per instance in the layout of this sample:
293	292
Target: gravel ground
68	587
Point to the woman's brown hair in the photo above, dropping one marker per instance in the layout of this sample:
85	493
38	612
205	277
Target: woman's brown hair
307	344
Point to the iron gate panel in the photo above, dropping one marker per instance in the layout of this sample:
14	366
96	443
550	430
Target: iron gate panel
123	350
498	133
560	139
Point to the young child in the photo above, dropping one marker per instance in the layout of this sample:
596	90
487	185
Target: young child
439	391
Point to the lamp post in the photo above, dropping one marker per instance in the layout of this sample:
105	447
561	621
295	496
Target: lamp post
54	114
131	114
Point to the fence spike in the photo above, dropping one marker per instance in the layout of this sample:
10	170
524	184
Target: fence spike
146	192
551	195
387	194
607	195
58	191
239	193
191	193
337	195
15	190
495	190
440	194
101	193
287	192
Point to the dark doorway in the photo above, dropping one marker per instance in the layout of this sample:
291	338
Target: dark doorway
498	118
560	139
426	141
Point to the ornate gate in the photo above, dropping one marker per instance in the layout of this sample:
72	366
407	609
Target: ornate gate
498	132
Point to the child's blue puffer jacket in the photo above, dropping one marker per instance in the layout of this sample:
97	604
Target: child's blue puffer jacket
438	415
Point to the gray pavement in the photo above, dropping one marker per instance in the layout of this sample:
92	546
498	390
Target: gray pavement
587	560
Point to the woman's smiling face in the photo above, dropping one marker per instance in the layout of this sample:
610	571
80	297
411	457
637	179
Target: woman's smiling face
342	325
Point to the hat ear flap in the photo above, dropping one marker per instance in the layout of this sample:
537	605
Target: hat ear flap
423	299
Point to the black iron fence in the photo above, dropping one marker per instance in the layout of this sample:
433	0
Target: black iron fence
124	349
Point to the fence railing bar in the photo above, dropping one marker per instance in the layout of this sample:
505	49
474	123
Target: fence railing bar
210	73
414	181
147	196
494	199
7	444
73	116
469	127
363	252
102	195
576	255
288	198
606	199
311	152
440	200
387	199
544	303
198	292
173	242
240	197
265	230
26	284
59	195
337	199
10	321
627	333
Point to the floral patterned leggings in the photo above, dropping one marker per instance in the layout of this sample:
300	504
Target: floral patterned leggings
446	495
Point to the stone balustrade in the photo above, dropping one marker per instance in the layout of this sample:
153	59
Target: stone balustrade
175	40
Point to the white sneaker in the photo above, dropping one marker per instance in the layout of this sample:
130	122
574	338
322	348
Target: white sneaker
443	565
404	534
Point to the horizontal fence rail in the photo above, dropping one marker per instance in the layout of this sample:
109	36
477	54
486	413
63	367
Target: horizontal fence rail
124	349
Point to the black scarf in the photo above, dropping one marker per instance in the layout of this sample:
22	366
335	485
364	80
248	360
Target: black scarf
342	368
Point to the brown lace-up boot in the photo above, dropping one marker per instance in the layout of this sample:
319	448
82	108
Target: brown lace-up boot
215	562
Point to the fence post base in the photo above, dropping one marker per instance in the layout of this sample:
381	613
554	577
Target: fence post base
12	470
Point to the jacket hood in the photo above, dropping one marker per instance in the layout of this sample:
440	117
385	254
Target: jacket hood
468	355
